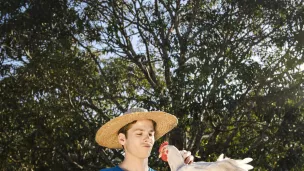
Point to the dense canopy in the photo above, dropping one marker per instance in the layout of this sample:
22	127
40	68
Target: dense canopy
230	70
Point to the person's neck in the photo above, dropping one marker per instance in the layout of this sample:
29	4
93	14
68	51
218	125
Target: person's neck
132	163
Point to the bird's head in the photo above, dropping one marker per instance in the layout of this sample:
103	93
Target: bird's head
163	151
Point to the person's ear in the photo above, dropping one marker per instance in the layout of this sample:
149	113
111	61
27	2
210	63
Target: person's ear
121	138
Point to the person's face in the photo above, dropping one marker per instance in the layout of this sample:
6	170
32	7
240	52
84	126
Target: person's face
139	140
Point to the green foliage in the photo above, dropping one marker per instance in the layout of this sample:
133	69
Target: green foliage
229	70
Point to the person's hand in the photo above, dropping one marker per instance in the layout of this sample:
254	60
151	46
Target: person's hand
188	158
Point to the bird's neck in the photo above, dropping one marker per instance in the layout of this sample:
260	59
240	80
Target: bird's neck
175	167
176	162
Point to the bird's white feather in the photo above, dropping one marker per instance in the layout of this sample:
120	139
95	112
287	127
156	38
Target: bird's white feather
176	163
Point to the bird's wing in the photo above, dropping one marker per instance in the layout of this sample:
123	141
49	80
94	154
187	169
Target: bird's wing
212	166
223	165
201	166
243	163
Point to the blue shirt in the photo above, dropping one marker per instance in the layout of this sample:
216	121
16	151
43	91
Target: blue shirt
118	169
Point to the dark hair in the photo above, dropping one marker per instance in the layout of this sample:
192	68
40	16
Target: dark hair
125	128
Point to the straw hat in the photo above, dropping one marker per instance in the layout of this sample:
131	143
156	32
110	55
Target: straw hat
107	134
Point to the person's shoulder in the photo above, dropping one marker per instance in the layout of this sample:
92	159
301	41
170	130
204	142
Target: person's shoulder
118	169
151	169
112	169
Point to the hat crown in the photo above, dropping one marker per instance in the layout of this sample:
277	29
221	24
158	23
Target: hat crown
133	110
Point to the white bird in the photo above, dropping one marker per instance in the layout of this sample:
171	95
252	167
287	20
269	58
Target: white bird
175	160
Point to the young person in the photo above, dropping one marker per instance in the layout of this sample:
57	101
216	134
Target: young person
136	131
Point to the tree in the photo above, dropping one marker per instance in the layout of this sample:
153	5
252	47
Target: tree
229	70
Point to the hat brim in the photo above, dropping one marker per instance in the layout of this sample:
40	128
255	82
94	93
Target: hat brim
107	134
